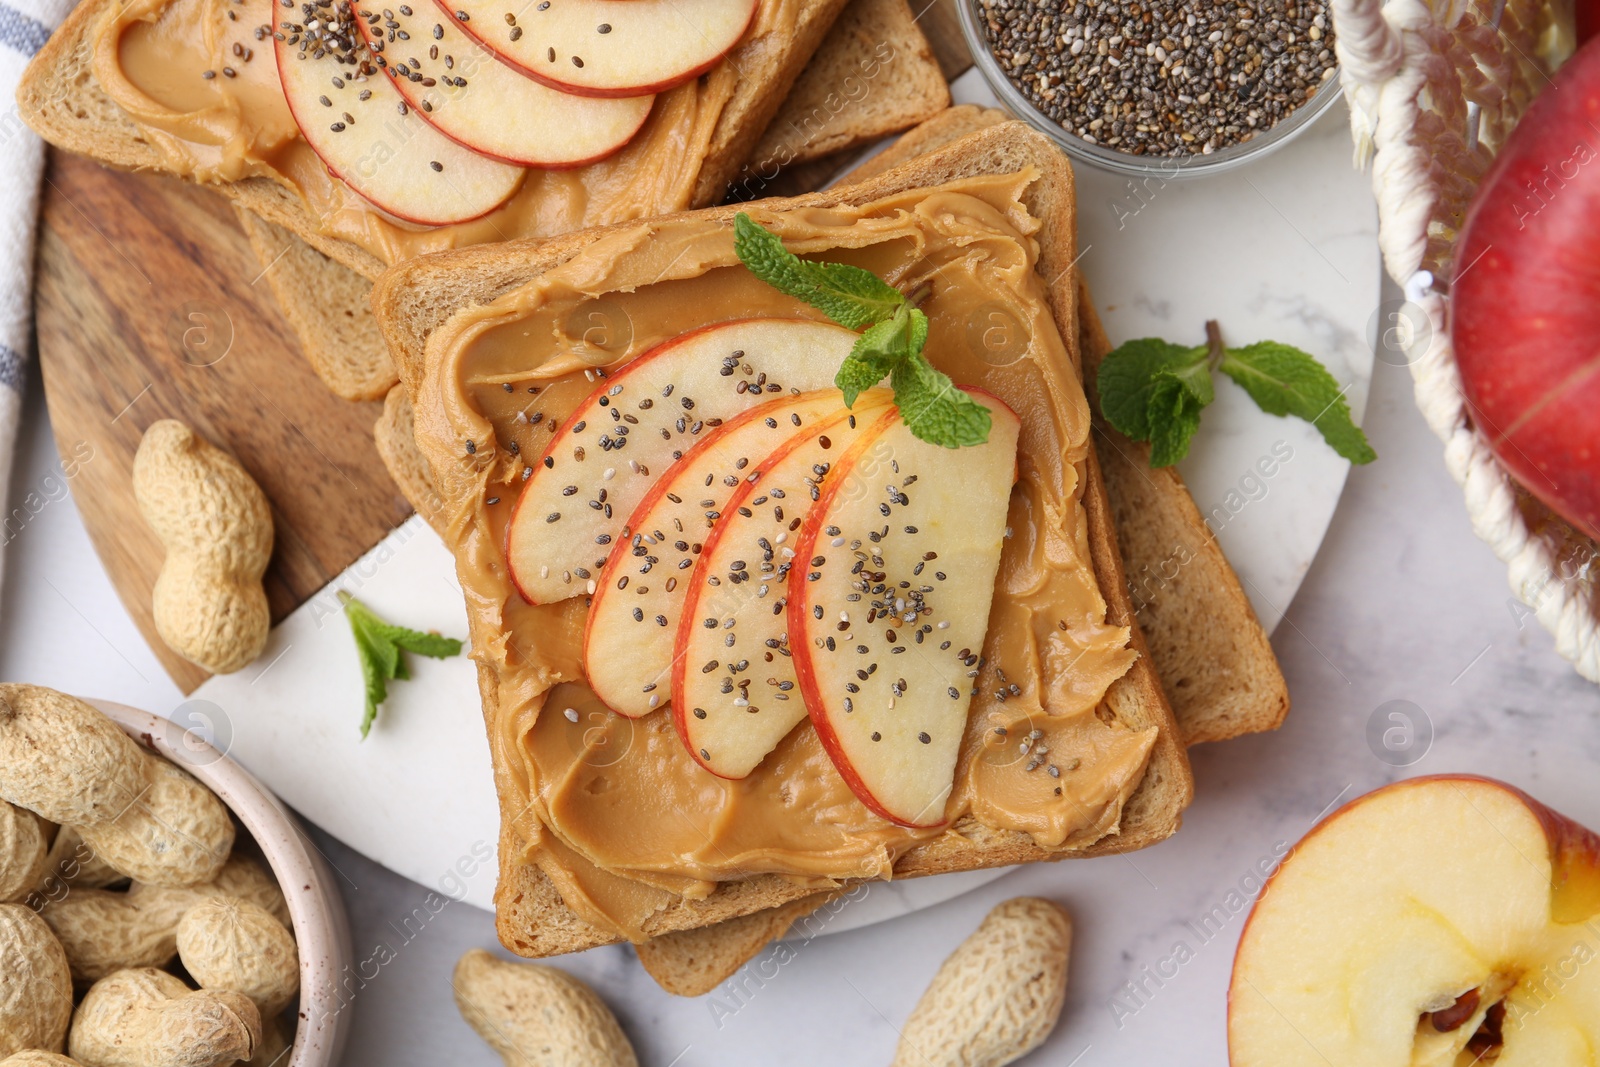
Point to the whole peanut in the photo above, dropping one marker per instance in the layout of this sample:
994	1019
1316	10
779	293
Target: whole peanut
149	1018
73	864
104	931
227	943
998	995
35	985
537	1016
39	1058
216	525
24	851
65	761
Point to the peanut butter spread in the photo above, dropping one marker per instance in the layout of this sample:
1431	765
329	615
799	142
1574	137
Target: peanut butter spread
151	57
614	810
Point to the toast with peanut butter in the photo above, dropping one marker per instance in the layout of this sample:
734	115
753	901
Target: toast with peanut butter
190	87
872	75
1102	770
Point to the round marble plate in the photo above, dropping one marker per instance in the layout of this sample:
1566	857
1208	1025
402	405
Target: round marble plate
1282	250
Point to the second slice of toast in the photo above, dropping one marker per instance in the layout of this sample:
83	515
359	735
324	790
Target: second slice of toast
416	298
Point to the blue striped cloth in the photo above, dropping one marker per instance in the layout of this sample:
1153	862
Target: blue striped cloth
25	25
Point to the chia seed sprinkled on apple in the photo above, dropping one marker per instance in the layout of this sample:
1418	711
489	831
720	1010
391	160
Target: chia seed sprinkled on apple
1160	78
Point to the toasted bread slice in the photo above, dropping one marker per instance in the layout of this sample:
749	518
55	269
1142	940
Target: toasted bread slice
1215	661
328	305
1221	678
61	100
873	74
417	297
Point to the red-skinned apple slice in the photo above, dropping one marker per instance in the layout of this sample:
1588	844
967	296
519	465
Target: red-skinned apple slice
633	617
355	119
1437	921
607	47
636	424
730	717
889	606
462	90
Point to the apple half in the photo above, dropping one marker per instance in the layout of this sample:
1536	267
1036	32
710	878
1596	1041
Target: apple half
1437	922
633	616
889	603
357	122
734	690
607	47
574	509
463	90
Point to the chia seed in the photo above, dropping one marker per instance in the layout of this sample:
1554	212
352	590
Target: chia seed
1162	78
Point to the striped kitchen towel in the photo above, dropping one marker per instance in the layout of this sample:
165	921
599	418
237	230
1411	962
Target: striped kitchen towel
24	26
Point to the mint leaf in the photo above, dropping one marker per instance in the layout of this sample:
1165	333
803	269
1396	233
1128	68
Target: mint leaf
1283	380
851	296
857	375
1174	414
379	645
934	409
879	350
1127	377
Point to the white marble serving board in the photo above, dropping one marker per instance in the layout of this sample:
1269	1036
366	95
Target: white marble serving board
417	795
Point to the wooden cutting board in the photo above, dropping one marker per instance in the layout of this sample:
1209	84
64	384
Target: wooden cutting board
151	305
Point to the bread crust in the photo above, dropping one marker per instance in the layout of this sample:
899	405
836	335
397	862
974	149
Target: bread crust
415	298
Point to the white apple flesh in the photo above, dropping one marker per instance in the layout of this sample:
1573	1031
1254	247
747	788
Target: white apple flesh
462	90
734	690
354	118
607	47
1438	921
889	604
636	424
633	617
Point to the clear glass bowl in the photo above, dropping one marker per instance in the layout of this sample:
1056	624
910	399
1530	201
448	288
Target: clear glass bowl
1192	166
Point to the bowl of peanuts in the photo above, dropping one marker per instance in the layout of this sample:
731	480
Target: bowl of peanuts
157	903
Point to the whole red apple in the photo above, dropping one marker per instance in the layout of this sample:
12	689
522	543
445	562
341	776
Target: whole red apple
1526	297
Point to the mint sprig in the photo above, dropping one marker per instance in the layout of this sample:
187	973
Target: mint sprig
894	333
1153	390
380	646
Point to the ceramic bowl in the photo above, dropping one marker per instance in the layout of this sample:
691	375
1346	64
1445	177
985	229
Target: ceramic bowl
321	929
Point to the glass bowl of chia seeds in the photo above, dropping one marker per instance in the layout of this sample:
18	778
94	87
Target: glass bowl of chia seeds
1179	88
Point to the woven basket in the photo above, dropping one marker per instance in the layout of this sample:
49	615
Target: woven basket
1433	93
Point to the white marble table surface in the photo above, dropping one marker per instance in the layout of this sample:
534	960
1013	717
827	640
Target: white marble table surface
1402	604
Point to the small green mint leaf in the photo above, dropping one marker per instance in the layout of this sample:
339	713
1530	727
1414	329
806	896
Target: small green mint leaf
1127	376
1283	380
379	645
851	296
857	375
934	410
1173	415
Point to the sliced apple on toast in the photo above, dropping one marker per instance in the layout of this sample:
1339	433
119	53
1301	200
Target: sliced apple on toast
574	508
358	123
461	89
734	690
1442	921
889	603
607	47
633	617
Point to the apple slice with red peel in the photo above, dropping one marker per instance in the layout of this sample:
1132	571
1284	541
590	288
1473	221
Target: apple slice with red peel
461	89
355	119
1437	921
889	604
607	47
734	690
633	618
636	424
